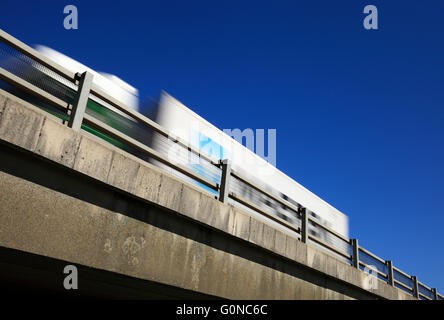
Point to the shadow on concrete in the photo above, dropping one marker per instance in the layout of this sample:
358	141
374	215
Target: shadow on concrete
36	169
24	274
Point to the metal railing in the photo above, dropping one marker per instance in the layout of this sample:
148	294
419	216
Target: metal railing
70	103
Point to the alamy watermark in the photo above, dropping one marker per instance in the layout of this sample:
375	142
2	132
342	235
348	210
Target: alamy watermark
229	144
371	20
71	281
71	21
255	142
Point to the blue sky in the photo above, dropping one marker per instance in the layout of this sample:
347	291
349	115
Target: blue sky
364	109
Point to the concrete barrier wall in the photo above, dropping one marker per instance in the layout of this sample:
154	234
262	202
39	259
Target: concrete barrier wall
159	228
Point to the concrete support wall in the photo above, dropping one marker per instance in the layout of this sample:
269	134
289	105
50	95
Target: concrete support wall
70	196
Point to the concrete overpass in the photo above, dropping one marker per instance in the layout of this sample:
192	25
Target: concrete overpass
67	197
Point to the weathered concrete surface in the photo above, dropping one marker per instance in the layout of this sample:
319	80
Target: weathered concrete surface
57	143
47	222
20	126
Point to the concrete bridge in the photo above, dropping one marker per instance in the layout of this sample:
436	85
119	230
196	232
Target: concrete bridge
67	197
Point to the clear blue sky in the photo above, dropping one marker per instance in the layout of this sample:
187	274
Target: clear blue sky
364	108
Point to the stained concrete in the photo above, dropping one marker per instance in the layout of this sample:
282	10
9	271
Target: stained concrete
106	209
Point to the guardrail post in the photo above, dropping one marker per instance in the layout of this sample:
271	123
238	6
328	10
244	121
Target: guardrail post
435	293
355	245
390	278
304	225
81	99
225	180
415	286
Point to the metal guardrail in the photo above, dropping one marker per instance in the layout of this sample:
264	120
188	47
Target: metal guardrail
77	117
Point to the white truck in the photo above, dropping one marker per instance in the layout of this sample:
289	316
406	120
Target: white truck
196	131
